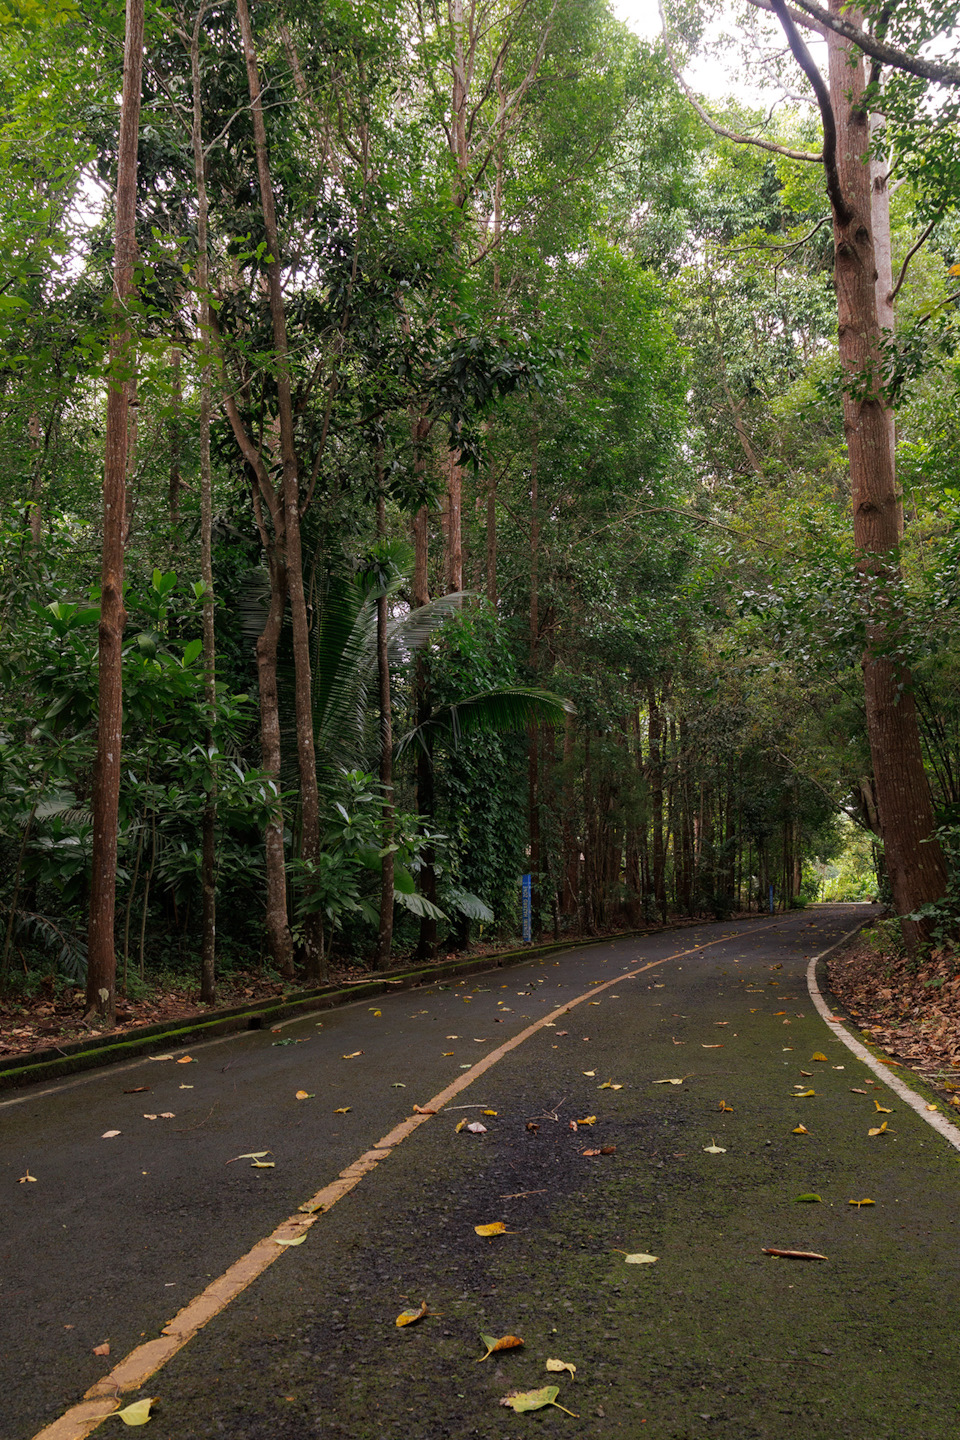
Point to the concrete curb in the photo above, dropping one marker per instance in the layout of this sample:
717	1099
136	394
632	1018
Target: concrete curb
817	966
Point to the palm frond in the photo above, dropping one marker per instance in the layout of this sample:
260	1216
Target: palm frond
492	712
412	631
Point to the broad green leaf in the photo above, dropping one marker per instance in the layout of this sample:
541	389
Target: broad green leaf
808	1200
136	1414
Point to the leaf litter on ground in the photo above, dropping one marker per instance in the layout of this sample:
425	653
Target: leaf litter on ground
558	1366
522	1400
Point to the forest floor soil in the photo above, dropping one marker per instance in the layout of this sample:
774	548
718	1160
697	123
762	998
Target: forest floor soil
909	1009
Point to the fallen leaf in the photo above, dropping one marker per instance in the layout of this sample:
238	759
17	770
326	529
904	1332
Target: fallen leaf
879	1130
304	1095
28	1178
263	1165
808	1200
353	1055
557	1366
588	1120
506	1342
397	1084
419	1110
818	1055
806	1072
447	1054
148	1117
496	1227
725	1108
136	1414
410	1317
563	1032
779	1012
186	1060
160	1057
931	1107
250	1155
103	1349
838	1067
453	1037
532	1126
482	1040
858	1203
109	1134
591	1073
476	1128
800	1130
714	1149
608	1149
296	1240
711	1047
589	1152
377	1013
855	1090
609	1085
674	1081
167	1115
792	1254
882	1109
521	1400
803	1095
186	1087
344	1110
137	1090
462	1125
640	1259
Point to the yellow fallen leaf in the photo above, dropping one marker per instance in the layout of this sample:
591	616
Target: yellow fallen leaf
263	1165
882	1108
803	1095
714	1149
28	1178
184	1060
591	1073
461	1125
446	1054
376	1013
491	1112
801	1130
879	1130
410	1317
522	1400
609	1085
136	1414
673	1081
353	1055
710	1047
344	1110
640	1259
496	1227
723	1106
806	1072
858	1203
506	1342
305	1095
588	1120
297	1240
453	1037
931	1107
557	1366
818	1055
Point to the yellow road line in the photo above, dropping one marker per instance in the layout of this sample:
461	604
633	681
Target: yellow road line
135	1369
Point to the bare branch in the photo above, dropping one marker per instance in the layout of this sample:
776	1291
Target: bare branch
712	124
909	256
809	67
937	70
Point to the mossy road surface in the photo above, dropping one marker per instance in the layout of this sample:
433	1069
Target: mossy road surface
714	1339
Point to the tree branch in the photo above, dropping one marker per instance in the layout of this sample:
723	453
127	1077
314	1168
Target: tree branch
809	67
936	70
712	124
909	256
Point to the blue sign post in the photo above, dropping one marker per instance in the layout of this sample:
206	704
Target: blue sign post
771	899
527	894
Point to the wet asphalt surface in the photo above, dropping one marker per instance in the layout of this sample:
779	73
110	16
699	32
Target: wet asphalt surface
714	1339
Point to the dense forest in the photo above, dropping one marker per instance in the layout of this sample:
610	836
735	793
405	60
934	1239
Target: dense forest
438	446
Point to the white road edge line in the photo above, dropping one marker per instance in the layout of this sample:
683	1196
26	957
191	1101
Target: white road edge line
942	1126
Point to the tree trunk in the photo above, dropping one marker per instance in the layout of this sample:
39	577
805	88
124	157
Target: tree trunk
656	802
427	944
314	957
914	858
385	935
279	939
101	950
175	423
208	862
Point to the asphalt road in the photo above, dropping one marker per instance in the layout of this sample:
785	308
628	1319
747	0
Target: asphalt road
714	1338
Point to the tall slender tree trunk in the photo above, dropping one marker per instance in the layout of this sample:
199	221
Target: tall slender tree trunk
313	950
533	796
175	423
101	950
279	939
914	858
427	944
208	861
385	934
